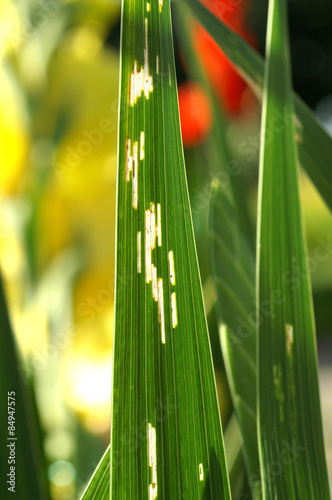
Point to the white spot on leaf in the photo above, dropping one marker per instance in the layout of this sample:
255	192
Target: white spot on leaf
158	228
289	338
132	90
148	263
174	310
141	81
201	472
152	445
135	174
152	225
129	159
154	283
171	267
161	310
142	141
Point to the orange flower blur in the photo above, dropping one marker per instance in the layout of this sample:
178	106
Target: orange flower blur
195	112
226	81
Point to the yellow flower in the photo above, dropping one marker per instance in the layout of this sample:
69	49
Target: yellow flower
13	137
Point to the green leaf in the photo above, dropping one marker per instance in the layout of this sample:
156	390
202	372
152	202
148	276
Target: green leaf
232	263
166	433
216	148
21	453
233	271
290	433
234	455
315	145
99	484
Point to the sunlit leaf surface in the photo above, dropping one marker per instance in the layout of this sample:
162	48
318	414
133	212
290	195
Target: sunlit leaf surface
166	435
289	421
99	484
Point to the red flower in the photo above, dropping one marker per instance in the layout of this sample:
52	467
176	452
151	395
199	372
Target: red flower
195	113
227	83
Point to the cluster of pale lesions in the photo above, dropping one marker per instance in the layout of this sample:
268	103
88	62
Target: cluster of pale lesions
141	81
152	239
153	491
141	84
160	3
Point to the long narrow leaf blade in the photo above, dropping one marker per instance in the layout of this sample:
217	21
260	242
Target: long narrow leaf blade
315	145
232	265
166	437
290	434
233	271
22	468
216	146
98	487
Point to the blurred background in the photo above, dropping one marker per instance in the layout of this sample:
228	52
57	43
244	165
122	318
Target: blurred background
59	70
